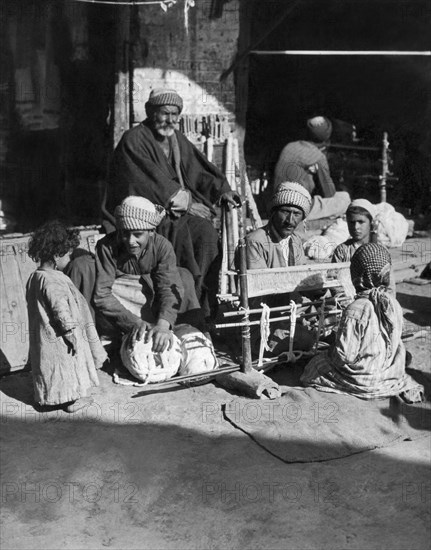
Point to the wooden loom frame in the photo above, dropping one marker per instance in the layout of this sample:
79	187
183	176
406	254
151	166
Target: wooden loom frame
244	284
262	282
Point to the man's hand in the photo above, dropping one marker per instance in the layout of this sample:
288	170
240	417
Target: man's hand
230	198
200	210
70	341
138	331
161	335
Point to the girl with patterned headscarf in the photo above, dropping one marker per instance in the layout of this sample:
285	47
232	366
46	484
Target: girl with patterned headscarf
368	357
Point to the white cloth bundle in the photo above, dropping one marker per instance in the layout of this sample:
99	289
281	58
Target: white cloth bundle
198	351
147	366
391	226
319	247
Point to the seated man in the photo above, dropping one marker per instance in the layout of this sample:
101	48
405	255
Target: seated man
148	259
305	162
155	161
277	245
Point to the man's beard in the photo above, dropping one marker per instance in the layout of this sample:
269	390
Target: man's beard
164	130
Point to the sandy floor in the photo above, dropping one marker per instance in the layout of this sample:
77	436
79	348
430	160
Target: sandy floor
165	471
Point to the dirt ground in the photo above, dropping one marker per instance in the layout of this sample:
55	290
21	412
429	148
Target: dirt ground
166	471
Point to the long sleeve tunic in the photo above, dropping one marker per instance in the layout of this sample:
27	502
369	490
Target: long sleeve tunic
265	251
158	261
55	306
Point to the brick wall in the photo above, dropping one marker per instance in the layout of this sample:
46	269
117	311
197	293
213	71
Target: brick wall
191	61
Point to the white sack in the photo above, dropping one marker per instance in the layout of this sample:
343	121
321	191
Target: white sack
198	351
147	366
391	227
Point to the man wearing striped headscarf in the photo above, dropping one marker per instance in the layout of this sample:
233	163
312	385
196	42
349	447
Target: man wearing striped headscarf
157	292
368	357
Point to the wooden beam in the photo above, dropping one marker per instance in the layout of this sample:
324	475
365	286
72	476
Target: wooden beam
274	24
394	53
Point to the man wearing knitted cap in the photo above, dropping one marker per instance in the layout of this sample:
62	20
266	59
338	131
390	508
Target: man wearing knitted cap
155	161
304	161
136	250
277	245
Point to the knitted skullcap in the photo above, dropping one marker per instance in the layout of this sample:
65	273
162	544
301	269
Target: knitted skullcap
320	128
366	205
292	194
165	96
138	214
369	264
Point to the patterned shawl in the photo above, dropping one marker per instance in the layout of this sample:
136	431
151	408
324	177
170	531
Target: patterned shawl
370	269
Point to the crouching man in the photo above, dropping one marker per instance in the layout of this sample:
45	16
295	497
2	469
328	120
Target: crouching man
138	286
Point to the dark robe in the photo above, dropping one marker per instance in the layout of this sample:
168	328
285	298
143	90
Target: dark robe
139	167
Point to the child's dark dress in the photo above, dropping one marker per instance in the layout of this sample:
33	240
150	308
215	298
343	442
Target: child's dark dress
55	306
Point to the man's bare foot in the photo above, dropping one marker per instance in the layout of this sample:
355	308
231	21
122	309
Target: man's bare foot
78	404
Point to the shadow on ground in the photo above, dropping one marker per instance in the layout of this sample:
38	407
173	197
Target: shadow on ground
166	471
420	307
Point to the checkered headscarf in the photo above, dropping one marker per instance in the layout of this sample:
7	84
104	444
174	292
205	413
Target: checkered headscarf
138	214
370	267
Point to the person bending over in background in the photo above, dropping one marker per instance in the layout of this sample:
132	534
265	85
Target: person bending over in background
304	161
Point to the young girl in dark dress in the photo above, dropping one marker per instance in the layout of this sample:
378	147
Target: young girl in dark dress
65	350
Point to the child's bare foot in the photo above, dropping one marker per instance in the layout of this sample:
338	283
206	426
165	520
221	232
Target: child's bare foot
78	404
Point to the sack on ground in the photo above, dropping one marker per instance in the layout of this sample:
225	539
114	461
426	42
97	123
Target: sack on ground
391	226
147	366
198	351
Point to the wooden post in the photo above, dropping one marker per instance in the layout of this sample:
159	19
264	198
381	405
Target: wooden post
243	290
210	148
122	109
223	278
385	167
